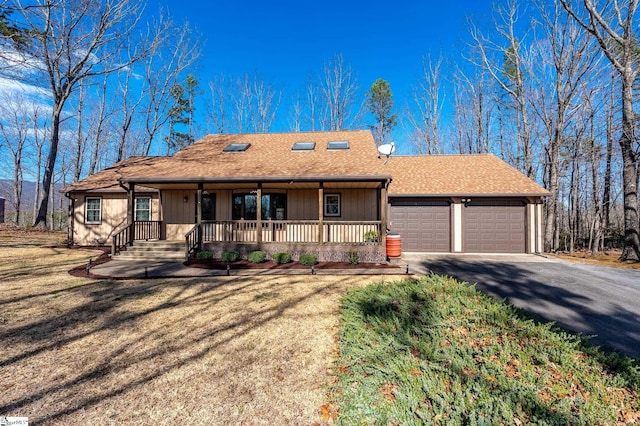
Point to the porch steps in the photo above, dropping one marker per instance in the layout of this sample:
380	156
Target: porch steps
154	250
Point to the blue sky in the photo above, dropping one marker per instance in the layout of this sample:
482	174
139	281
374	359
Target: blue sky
285	41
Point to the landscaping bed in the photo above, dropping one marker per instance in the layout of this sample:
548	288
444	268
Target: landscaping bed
218	264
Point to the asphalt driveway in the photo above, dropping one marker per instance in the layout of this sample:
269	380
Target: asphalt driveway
593	300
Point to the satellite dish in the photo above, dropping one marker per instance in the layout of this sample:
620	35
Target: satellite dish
386	149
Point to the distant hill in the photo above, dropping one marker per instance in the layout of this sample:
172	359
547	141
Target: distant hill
28	193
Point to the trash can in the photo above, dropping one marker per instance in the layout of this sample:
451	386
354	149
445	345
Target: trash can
394	245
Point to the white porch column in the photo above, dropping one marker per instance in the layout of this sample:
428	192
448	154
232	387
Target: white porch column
456	225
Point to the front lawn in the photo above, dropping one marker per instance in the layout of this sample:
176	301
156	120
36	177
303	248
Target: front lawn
435	351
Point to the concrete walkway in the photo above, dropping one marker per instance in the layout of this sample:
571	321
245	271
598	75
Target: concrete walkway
117	268
597	301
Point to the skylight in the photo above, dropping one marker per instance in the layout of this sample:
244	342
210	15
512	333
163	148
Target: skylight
338	145
236	147
303	146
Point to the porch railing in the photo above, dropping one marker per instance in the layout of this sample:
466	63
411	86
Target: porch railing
193	240
147	230
120	240
142	230
294	231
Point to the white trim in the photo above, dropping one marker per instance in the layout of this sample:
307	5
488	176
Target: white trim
86	211
338	204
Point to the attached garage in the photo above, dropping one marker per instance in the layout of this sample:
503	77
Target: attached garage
424	225
494	226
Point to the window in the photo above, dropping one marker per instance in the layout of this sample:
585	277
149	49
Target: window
245	206
143	208
236	147
93	210
338	145
303	146
332	204
208	206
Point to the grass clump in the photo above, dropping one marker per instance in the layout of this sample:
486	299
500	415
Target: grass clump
257	256
204	255
281	258
308	259
230	256
437	351
354	257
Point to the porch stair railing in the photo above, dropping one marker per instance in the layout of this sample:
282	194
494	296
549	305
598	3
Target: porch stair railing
142	230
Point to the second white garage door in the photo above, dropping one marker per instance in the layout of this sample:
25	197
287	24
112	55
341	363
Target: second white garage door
424	226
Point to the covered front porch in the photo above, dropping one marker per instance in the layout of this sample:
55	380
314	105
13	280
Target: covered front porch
268	214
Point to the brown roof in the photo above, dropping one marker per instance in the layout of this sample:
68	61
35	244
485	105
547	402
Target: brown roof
107	179
270	157
462	175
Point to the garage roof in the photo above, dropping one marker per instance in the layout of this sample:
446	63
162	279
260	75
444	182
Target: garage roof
458	175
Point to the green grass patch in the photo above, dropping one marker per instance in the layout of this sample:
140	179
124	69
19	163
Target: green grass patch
435	351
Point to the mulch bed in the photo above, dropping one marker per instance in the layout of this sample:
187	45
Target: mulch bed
245	264
81	270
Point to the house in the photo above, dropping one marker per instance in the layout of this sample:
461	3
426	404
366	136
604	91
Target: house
319	192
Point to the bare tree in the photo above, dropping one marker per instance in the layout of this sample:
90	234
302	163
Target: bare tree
613	26
14	135
243	104
338	86
562	60
474	109
173	50
426	115
218	104
100	126
509	73
74	40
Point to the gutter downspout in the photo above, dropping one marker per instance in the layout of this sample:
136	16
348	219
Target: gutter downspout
70	219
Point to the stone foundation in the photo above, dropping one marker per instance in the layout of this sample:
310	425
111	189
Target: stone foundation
373	253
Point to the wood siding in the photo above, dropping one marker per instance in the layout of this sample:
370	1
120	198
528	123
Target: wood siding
114	217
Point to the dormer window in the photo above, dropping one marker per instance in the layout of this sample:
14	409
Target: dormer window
338	145
303	146
236	147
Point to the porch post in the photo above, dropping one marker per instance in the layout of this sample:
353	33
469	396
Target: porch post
320	213
199	213
384	201
130	212
259	213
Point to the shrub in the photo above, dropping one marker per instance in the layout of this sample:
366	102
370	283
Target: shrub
371	236
230	256
204	255
280	258
308	259
257	256
354	257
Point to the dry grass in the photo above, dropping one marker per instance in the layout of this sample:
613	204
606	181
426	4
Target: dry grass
228	350
609	258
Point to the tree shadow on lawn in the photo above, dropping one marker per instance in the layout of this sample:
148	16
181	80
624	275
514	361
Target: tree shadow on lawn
109	308
603	322
401	322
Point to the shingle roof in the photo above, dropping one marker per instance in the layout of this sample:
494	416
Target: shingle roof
462	175
107	180
270	156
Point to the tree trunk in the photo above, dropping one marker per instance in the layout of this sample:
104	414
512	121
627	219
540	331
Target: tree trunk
631	251
41	219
